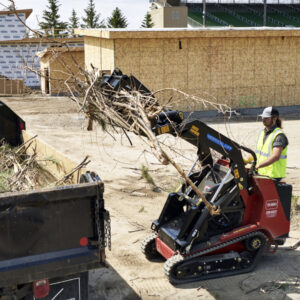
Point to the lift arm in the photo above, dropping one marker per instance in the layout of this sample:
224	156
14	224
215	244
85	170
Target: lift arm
205	138
193	131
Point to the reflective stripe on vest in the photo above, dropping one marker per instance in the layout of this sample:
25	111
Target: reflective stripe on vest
265	150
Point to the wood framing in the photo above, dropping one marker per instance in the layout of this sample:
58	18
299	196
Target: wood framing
57	64
242	67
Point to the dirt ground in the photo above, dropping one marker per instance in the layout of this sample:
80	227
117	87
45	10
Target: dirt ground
133	205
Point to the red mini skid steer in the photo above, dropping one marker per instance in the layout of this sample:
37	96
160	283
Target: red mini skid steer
254	210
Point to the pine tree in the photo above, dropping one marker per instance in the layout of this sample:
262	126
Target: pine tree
74	21
51	18
117	19
147	22
92	19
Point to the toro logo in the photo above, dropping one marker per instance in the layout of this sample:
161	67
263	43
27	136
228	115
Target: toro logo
272	204
271	213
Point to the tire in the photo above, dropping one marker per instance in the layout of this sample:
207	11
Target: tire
149	248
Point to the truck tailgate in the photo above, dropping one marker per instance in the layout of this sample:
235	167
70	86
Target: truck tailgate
41	232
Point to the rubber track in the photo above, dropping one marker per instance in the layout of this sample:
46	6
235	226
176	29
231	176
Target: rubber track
177	259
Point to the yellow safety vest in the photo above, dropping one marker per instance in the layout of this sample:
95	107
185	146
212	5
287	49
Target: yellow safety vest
265	150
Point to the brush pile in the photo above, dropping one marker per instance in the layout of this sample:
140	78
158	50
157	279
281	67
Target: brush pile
122	102
130	106
23	172
19	171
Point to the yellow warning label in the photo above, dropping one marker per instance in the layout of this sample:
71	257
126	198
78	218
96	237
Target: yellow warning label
195	130
241	187
236	173
164	129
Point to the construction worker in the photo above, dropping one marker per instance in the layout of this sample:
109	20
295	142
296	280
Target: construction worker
271	147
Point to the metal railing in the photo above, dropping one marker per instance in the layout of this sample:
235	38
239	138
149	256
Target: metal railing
261	14
193	22
234	14
280	12
294	8
212	17
216	19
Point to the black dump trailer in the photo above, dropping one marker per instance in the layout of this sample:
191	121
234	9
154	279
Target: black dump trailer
50	238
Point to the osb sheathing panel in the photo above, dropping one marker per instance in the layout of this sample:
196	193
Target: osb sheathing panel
60	69
241	72
189	33
92	52
107	60
100	52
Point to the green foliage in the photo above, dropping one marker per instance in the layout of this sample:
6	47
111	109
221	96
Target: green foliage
51	18
4	176
5	173
117	19
147	22
92	19
74	21
147	176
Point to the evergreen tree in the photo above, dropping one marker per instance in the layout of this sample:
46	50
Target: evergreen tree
74	21
117	19
92	19
147	22
51	18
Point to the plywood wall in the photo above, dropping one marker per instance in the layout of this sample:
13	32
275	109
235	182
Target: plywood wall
239	71
99	52
61	65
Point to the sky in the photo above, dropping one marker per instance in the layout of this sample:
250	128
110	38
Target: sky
134	10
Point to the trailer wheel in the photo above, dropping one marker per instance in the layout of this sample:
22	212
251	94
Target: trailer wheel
149	248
